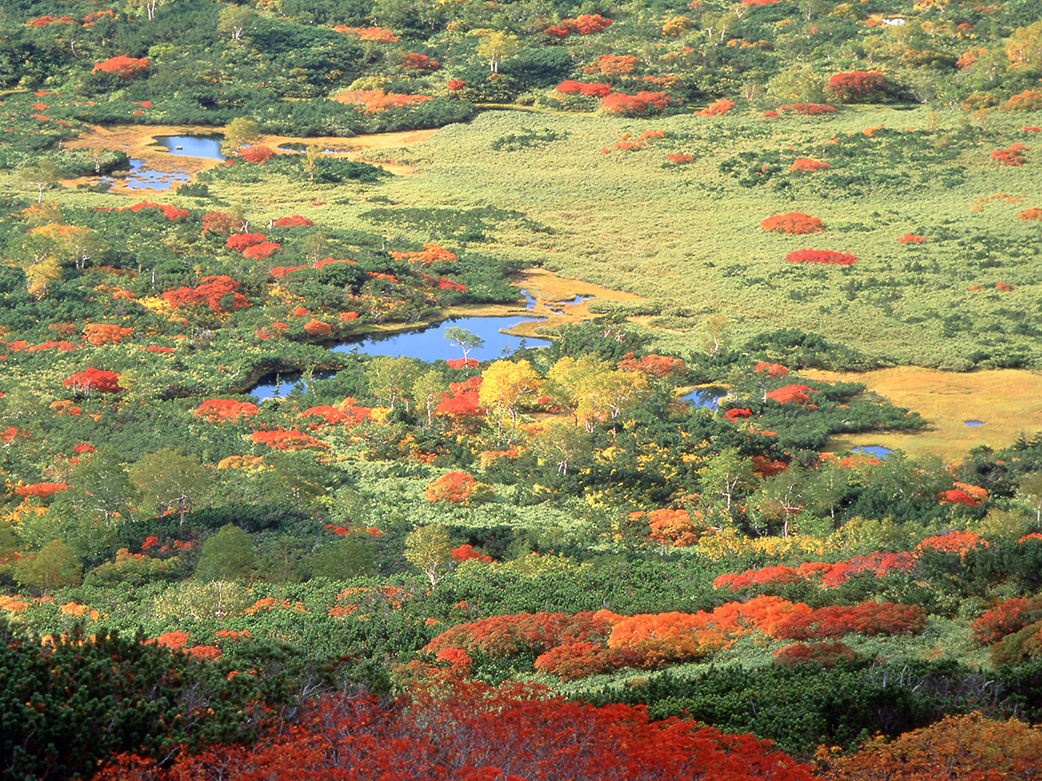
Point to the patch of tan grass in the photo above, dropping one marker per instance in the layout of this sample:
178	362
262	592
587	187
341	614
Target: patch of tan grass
1008	402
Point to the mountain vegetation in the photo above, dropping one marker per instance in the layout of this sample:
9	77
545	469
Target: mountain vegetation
556	562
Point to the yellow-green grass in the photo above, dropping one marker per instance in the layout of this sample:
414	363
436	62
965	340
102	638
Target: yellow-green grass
1008	403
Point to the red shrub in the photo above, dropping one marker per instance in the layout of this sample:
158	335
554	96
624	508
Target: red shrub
255	154
94	380
215	410
856	85
419	62
285	439
911	238
1012	155
1008	617
263	250
791	393
295	221
240	241
774	370
822	654
466	553
620	104
219	293
716	109
454	487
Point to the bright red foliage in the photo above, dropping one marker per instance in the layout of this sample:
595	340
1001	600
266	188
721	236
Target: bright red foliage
577	87
735	413
100	333
263	250
823	654
40	490
241	241
466	552
653	365
774	370
911	238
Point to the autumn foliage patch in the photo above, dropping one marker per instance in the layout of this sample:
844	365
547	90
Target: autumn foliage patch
122	66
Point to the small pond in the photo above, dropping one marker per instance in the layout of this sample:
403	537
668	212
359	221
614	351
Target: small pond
876	451
193	146
974	422
428	344
141	178
706	398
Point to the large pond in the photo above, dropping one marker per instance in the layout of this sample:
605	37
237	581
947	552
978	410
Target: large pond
429	344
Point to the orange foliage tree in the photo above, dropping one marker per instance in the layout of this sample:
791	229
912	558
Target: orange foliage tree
122	66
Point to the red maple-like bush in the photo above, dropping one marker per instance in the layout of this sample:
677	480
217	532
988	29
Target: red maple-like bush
911	238
457	488
792	222
821	257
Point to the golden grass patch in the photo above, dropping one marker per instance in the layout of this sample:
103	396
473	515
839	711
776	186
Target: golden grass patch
1007	402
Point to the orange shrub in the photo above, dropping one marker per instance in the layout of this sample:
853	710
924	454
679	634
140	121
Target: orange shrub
792	222
99	333
716	109
808	164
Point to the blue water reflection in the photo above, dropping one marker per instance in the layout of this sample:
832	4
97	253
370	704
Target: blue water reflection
430	344
141	178
193	146
706	398
974	422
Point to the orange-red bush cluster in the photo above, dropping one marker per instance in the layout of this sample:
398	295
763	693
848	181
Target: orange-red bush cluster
586	24
808	164
100	333
599	90
856	85
217	410
221	294
94	380
453	487
122	66
716	109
